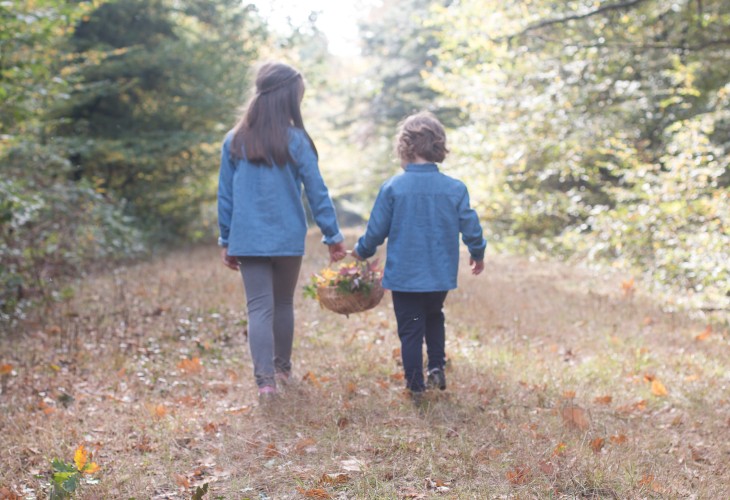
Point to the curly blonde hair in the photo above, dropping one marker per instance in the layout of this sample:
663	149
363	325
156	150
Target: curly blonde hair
421	135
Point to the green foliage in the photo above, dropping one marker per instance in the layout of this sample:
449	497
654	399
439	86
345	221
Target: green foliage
597	128
54	229
158	85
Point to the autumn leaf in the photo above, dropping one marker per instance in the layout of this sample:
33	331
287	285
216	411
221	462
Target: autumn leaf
597	444
618	439
6	369
190	366
559	449
603	400
312	379
338	478
397	376
658	389
314	493
575	416
271	451
705	334
568	394
304	444
518	475
159	411
80	457
628	287
91	468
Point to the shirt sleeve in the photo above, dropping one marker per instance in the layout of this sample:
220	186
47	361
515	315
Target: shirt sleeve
225	195
323	210
378	225
471	230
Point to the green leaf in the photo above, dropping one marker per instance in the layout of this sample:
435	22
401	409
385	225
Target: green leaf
200	492
61	466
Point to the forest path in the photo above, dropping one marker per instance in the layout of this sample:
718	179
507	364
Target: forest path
562	382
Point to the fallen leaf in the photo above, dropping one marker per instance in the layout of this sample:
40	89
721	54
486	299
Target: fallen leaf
603	400
397	376
648	320
337	478
628	287
239	410
80	457
518	475
638	406
159	411
6	369
7	494
312	379
351	388
707	332
559	449
597	444
649	377
190	366
396	353
411	493
303	445
314	493
343	422
271	451
568	394
546	468
182	481
698	455
658	389
618	439
575	416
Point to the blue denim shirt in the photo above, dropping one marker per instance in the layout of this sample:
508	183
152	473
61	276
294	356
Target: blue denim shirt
260	210
422	211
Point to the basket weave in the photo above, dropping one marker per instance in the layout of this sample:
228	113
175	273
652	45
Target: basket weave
347	303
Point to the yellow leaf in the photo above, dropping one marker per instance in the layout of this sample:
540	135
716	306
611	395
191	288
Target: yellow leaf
91	468
658	389
80	457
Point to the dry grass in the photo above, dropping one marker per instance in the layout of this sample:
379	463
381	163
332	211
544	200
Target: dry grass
531	347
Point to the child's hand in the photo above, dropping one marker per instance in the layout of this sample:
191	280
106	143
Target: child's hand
228	261
477	266
337	251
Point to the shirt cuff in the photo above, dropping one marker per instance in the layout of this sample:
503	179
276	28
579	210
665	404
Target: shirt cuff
221	242
333	239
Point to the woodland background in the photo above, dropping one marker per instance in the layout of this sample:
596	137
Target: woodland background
596	130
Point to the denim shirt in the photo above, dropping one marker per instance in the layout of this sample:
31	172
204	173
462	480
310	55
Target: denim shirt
260	210
422	211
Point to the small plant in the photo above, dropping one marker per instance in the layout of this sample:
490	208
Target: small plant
67	476
354	277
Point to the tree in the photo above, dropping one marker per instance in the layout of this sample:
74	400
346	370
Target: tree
159	85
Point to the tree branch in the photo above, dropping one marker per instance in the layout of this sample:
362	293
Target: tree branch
549	22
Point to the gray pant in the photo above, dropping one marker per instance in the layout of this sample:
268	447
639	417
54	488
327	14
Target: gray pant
270	283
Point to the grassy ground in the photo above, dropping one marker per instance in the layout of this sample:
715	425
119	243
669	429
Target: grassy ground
563	383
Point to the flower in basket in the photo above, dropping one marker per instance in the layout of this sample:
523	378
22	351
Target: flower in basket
359	277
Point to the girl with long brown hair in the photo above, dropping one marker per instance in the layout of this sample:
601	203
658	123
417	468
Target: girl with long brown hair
265	161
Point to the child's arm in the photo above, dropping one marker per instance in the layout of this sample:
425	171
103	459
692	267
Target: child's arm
318	196
471	234
225	205
378	226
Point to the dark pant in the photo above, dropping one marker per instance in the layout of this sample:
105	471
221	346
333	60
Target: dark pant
419	316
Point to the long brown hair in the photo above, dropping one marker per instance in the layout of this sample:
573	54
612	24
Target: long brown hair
263	132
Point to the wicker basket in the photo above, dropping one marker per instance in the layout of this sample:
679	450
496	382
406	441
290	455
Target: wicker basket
347	303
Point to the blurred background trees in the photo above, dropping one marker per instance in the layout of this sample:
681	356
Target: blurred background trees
585	129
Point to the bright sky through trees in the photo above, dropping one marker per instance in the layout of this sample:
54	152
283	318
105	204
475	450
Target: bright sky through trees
337	19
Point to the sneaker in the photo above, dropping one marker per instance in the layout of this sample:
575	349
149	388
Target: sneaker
267	393
436	378
417	397
283	378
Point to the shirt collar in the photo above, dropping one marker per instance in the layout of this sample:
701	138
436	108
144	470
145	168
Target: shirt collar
422	167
